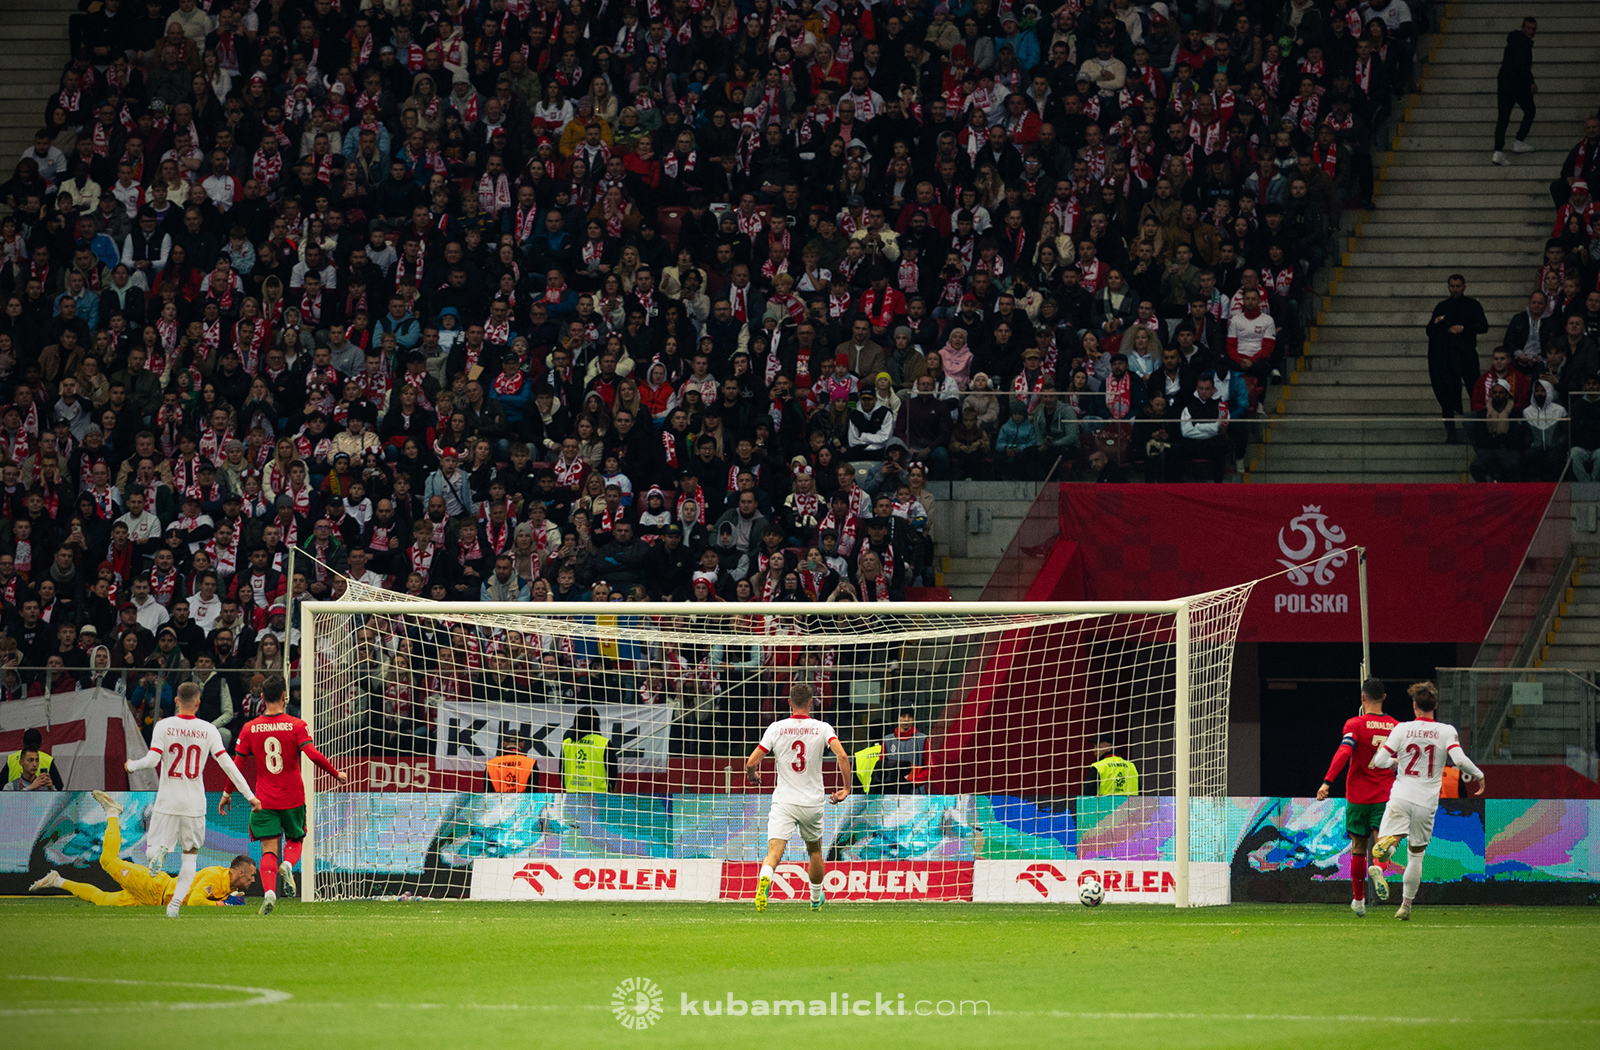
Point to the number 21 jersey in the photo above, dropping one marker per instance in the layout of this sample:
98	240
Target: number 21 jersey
1419	750
275	742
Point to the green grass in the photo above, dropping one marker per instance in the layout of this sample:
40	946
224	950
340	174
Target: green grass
438	975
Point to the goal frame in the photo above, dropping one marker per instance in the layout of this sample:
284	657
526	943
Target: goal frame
1179	608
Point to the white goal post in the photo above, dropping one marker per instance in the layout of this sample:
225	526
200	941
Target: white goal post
616	736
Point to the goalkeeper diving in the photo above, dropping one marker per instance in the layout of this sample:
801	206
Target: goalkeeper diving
140	886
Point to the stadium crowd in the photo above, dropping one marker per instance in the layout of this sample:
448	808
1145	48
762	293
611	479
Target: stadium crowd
1534	412
516	300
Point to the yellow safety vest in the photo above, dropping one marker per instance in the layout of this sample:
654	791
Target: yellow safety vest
583	764
14	765
866	760
1118	776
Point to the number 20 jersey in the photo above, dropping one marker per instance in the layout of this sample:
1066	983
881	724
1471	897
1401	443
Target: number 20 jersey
186	744
274	741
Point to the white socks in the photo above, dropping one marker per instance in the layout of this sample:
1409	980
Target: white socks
816	891
766	871
1413	876
185	880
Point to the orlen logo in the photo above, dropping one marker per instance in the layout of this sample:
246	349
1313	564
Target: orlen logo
784	889
1147	880
1034	875
530	874
625	879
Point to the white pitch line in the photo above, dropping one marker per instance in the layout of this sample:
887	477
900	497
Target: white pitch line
836	919
1080	1015
261	996
1107	1015
532	1007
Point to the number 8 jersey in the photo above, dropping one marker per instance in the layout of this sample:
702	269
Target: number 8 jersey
1417	751
276	742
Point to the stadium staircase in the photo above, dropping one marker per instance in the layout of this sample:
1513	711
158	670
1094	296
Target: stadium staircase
1572	638
973	524
1442	208
34	51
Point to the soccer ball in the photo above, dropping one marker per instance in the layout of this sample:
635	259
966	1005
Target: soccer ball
1091	893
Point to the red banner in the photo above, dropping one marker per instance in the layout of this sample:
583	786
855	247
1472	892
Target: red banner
881	880
1439	557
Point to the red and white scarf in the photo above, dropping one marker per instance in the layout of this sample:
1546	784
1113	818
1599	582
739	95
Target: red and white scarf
267	169
494	193
845	529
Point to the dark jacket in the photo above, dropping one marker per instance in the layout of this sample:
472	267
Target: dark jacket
1465	311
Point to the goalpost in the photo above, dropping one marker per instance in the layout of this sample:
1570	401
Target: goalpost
987	792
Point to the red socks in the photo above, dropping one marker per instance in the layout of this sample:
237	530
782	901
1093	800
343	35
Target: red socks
269	873
1358	877
291	853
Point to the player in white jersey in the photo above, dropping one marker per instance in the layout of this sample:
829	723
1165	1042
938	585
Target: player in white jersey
796	745
1417	751
180	746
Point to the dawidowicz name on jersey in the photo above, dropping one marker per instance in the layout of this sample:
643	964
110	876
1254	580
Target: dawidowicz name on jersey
838	1004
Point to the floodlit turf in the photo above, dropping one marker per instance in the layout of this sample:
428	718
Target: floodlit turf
436	975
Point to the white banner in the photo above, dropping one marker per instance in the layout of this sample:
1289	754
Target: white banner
1124	881
468	735
89	733
603	879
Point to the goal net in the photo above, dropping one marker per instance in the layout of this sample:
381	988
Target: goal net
581	751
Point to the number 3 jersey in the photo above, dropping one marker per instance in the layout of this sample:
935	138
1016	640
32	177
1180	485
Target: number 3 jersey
797	746
1417	751
277	742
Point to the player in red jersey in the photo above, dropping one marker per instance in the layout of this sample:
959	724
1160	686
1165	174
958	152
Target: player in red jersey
277	740
1366	790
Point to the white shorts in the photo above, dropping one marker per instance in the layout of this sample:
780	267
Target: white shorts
168	832
1414	820
786	818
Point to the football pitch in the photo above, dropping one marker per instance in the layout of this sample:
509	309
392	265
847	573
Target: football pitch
462	974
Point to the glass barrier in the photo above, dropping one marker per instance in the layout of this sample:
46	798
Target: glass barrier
1075	430
1518	627
1528	716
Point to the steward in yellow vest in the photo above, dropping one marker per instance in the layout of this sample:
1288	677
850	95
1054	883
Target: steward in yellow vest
586	755
1110	774
31	769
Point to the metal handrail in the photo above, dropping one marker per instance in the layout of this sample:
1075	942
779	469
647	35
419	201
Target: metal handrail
1523	653
1486	732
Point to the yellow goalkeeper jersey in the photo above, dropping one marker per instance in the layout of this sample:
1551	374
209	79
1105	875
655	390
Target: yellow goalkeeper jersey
210	886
